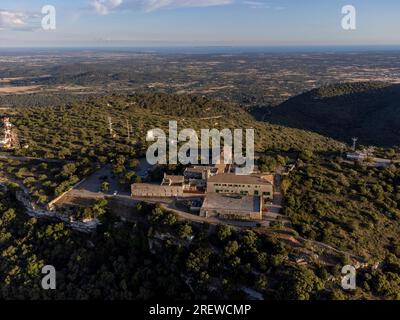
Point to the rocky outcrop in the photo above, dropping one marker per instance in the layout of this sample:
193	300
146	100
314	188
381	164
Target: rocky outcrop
23	197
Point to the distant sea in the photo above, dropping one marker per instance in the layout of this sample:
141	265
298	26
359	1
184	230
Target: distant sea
212	49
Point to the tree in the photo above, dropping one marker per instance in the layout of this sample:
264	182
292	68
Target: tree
8	217
131	177
99	209
198	260
133	163
120	160
306	155
105	186
231	248
185	231
285	185
267	164
156	215
299	284
262	282
250	239
68	170
262	261
224	231
170	219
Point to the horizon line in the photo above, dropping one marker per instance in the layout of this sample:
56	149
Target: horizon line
188	49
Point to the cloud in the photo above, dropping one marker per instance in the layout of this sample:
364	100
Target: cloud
17	20
104	7
257	4
262	5
12	20
151	5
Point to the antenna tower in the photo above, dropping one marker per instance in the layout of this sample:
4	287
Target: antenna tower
110	127
354	143
128	128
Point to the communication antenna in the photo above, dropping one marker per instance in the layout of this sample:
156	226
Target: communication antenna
128	129
150	135
110	127
354	143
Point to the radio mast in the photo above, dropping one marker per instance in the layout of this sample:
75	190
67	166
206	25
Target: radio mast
354	143
110	127
128	128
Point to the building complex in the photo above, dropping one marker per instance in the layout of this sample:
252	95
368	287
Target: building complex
226	194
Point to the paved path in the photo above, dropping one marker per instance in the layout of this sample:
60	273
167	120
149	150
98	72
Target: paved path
91	187
93	182
329	247
275	207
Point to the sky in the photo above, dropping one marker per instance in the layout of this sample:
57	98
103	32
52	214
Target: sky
111	23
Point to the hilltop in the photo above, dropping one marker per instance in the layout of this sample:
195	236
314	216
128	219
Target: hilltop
367	110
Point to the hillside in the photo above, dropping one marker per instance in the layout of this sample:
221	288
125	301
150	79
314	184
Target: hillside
354	209
369	111
82	127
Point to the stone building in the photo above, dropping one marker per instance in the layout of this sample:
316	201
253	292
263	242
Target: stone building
229	183
232	207
156	191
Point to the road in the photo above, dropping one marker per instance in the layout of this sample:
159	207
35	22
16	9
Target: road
275	207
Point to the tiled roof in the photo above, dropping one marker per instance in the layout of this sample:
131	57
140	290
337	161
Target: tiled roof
234	178
214	201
